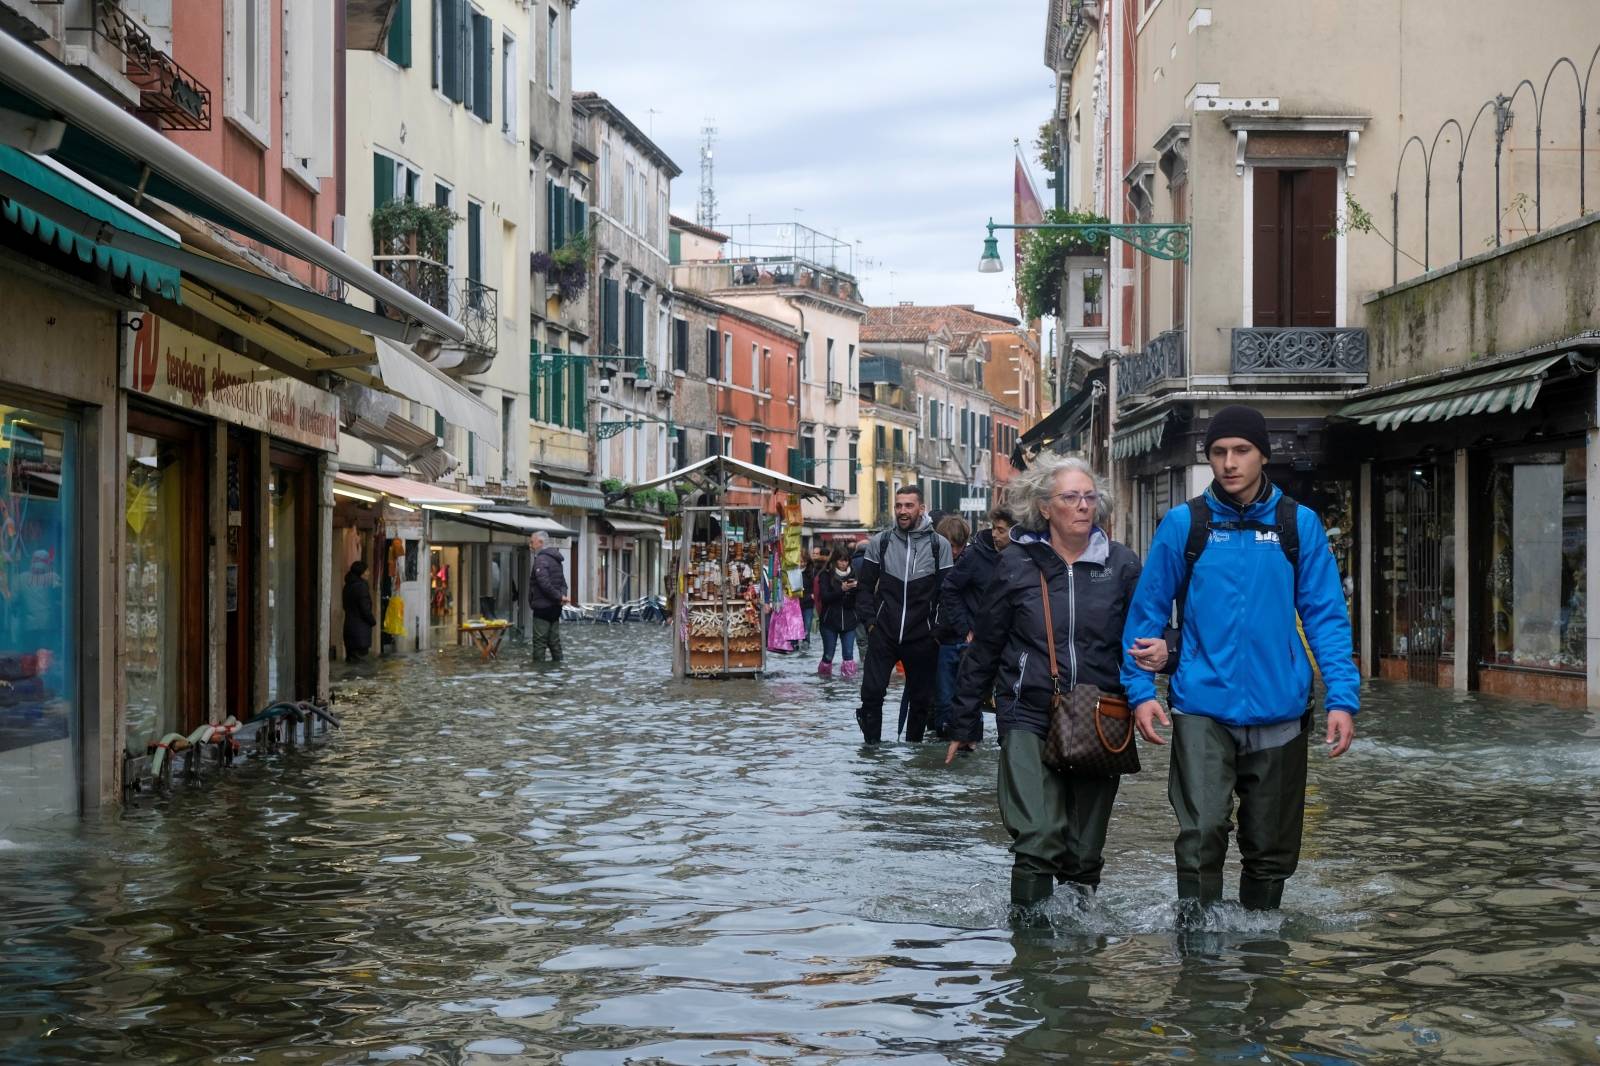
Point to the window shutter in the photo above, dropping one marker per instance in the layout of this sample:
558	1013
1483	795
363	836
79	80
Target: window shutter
577	415
1267	249
464	79
450	47
1311	275
713	371
794	463
482	68
382	179
608	325
535	370
474	242
558	392
851	468
549	214
558	211
398	47
680	343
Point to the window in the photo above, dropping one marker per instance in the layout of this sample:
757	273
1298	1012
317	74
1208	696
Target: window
397	46
805	356
829	364
627	194
712	443
662	335
850	469
827	466
755	366
392	180
604	201
508	85
680	447
727	444
932	429
943	354
474	244
680	344
1293	264
641	204
558	214
662	214
758	452
764	378
633	326
713	368
552	50
850	381
247	82
610	334
508	466
444	196
1094	280
727	356
1537	616
808	458
452	46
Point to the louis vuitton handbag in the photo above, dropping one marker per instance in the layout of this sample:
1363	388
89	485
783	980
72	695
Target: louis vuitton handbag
1090	732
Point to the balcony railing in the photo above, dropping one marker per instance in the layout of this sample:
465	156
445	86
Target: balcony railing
427	280
1299	350
478	311
171	96
1162	359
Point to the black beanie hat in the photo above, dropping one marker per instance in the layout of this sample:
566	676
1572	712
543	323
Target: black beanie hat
1239	421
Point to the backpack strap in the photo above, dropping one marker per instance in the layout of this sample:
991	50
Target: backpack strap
1289	531
1199	537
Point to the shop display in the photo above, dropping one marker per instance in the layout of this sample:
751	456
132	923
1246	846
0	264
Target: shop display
721	621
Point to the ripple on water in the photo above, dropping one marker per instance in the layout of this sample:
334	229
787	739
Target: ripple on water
704	872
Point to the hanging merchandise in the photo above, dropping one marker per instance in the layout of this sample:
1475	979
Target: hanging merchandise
394	618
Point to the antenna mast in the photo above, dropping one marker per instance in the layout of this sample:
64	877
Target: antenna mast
706	212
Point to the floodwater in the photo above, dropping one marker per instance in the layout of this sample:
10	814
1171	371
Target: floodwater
590	863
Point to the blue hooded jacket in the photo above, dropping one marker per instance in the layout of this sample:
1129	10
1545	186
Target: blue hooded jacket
1242	661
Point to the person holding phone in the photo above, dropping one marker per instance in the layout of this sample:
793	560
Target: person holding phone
836	589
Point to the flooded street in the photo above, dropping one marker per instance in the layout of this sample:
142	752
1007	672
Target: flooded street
591	863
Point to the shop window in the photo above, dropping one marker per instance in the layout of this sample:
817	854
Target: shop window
38	623
1537	614
153	594
288	540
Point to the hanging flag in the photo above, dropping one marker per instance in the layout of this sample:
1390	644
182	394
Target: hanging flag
1026	211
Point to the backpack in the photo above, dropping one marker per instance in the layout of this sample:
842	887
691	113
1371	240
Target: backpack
1201	523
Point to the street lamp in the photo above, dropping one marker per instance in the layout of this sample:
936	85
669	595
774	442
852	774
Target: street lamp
1163	240
989	262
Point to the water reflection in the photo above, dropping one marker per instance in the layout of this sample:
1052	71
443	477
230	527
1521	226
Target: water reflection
587	862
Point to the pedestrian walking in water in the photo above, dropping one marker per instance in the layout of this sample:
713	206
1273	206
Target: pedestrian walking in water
899	595
1240	562
1025	647
547	591
953	528
359	621
963	592
808	591
836	592
858	555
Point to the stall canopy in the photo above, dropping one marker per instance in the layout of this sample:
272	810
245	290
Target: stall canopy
624	525
715	472
482	527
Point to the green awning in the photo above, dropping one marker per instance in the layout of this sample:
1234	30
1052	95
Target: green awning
1139	438
147	274
1506	388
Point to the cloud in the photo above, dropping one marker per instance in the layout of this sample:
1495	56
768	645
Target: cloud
884	122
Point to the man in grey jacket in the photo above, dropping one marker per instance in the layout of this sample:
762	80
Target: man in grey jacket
547	590
898	597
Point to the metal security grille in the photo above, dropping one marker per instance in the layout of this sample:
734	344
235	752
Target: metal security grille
1425	539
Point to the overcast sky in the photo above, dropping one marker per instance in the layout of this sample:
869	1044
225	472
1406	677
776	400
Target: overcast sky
884	122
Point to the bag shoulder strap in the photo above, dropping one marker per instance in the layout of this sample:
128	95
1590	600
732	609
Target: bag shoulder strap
1049	631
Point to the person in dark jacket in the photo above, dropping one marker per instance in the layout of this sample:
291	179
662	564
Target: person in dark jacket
955	529
1057	820
899	596
858	555
359	620
547	590
808	591
836	594
961	599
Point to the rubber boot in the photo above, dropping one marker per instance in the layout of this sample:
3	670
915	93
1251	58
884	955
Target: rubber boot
825	668
1260	895
847	670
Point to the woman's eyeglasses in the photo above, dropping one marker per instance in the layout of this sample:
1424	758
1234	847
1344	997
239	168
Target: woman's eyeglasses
1078	499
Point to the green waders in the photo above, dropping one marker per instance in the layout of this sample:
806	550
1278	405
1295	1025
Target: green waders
1205	773
1057	821
545	635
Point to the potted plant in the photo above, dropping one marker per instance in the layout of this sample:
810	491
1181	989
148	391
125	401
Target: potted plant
567	268
405	227
1044	255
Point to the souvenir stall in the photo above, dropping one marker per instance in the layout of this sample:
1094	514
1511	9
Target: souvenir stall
723	581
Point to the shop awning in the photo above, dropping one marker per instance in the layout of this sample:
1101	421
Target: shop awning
58	185
628	525
1062	422
577	497
1505	388
124	154
721	469
407	374
417	492
1139	438
482	527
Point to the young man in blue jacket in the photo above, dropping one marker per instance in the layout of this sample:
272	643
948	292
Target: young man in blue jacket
1241	694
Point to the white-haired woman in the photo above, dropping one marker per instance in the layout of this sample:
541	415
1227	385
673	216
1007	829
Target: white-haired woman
1057	821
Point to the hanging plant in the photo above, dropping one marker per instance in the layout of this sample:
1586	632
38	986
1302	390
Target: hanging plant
567	268
419	229
1044	255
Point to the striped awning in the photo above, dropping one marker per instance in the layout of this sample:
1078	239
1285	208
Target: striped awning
1505	388
1139	438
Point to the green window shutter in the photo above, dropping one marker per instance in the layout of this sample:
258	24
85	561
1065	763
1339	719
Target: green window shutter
582	228
534	370
382	179
438	425
713	363
549	214
558	393
482	67
450	47
398	46
578	416
675	247
472	455
474	242
558	212
852	469
608	326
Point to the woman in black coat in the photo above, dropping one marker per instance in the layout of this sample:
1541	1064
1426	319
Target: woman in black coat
1057	820
836	588
358	618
